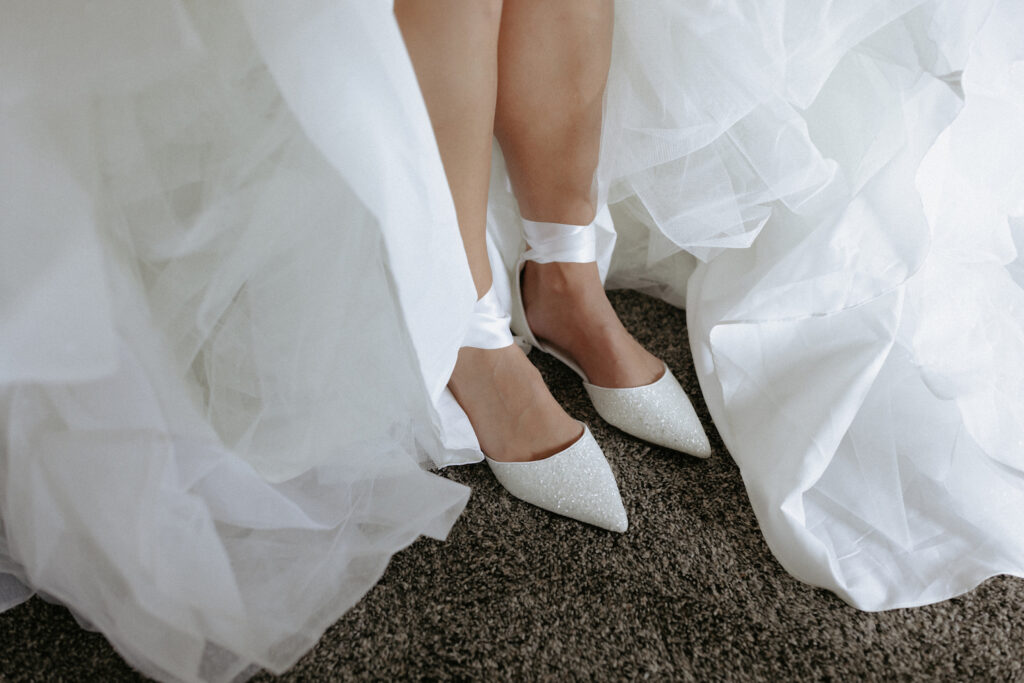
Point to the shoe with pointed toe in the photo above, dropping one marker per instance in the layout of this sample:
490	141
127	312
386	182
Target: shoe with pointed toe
660	412
575	482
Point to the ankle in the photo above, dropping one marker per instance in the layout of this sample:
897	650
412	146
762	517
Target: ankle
466	373
503	373
509	406
567	281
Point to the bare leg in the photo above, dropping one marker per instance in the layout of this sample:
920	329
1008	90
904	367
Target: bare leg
454	49
453	46
553	60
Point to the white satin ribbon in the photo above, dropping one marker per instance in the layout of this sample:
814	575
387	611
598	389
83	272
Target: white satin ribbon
488	328
550	242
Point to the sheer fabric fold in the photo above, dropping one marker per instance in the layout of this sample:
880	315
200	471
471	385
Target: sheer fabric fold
232	291
844	175
214	380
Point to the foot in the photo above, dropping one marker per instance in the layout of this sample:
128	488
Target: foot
515	417
566	307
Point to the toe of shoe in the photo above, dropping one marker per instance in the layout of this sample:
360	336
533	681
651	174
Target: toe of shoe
660	413
576	483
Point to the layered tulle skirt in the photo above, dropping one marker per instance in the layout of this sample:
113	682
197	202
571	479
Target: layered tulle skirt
232	290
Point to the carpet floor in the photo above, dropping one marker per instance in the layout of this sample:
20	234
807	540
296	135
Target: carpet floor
690	592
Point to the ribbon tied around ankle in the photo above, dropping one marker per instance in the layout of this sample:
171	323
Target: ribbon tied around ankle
488	328
551	242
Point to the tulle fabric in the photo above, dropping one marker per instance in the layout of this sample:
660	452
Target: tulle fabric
232	291
845	176
213	384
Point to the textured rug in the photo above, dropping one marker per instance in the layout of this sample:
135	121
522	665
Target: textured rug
690	592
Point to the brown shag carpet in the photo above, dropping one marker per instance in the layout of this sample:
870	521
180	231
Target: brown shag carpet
691	592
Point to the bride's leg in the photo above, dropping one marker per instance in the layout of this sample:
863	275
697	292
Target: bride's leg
553	60
453	47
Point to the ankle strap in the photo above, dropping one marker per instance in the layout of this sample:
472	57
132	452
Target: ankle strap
488	328
551	242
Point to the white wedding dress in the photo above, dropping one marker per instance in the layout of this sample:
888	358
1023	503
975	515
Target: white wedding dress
232	289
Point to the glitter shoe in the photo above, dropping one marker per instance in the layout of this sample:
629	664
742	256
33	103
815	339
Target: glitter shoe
575	482
659	412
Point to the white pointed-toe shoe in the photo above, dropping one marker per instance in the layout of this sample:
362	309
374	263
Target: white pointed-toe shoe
575	482
659	412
